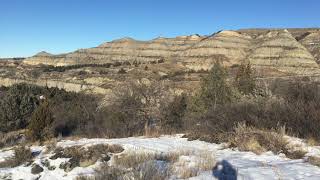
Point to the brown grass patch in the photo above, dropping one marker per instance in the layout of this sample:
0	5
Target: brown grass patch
85	156
11	138
314	160
22	155
312	142
258	141
201	161
296	154
154	166
132	158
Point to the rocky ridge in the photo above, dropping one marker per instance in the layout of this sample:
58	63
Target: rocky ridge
292	51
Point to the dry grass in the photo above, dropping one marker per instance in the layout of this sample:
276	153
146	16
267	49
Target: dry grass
314	160
154	166
11	138
173	156
151	170
22	155
152	132
81	177
206	161
296	154
50	145
312	142
86	156
295	151
106	172
132	158
191	165
258	141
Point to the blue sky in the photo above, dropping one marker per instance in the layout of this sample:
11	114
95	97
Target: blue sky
58	26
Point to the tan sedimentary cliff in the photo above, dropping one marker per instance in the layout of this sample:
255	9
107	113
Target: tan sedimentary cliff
68	86
280	50
131	51
47	59
312	42
228	46
293	51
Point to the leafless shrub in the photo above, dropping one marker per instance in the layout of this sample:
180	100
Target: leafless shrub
294	105
133	109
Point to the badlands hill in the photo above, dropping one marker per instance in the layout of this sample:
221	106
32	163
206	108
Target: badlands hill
180	62
292	51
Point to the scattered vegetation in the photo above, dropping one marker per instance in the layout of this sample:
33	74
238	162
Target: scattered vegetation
70	67
16	106
49	68
154	166
258	141
85	156
134	109
122	71
12	138
184	168
46	112
224	109
255	138
22	154
173	113
314	160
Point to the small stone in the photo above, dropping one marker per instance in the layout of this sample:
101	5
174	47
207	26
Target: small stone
105	158
51	168
45	163
68	166
36	169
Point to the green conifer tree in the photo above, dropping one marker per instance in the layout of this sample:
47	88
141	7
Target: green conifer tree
245	80
40	123
215	89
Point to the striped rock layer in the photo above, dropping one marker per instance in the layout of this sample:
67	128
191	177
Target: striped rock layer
293	51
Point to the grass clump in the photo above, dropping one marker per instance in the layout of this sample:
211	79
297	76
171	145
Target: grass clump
85	156
191	165
314	160
247	138
22	154
258	141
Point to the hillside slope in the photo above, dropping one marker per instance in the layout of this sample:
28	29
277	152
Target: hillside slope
292	51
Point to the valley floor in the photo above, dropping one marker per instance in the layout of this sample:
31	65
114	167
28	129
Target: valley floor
246	165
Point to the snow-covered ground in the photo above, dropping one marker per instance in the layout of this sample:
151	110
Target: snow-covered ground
246	165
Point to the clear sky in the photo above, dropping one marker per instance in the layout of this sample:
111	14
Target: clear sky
58	26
